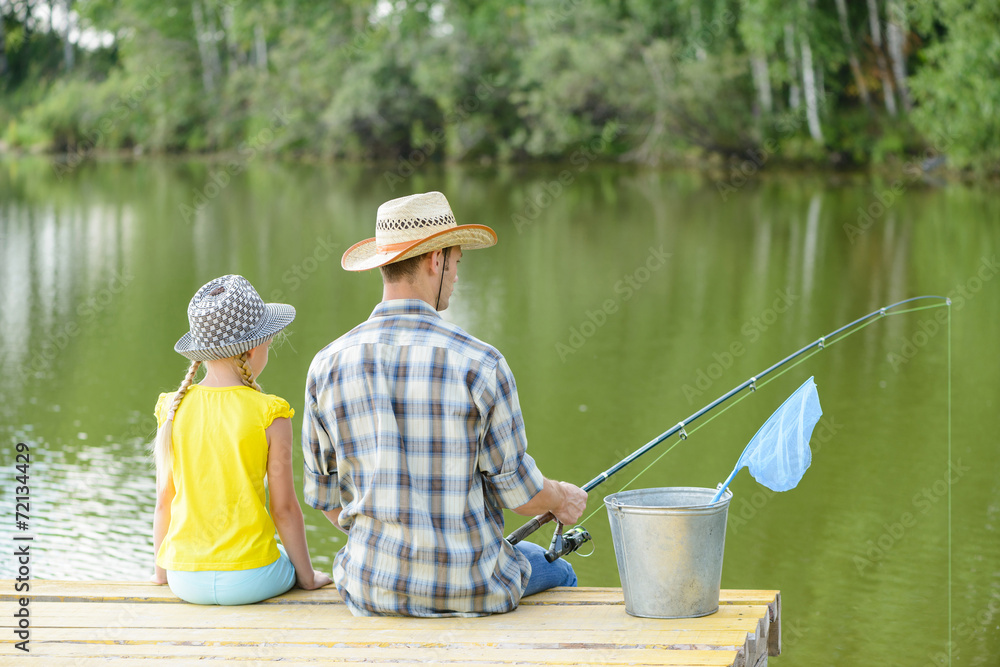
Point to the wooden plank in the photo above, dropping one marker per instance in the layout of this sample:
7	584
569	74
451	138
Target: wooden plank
108	591
774	641
766	641
48	661
586	656
349	636
180	615
83	622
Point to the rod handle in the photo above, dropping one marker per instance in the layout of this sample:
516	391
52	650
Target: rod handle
530	527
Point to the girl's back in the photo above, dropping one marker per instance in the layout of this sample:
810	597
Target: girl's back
219	517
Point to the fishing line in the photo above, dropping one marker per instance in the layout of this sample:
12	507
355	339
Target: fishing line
593	548
950	626
823	343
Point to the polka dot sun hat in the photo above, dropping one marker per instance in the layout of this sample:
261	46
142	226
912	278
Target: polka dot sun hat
227	317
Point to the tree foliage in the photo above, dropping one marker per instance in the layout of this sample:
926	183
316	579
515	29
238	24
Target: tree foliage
958	86
456	79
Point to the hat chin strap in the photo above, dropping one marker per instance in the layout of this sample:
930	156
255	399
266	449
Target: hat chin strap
437	305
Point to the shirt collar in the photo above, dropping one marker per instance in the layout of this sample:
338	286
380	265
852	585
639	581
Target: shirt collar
397	307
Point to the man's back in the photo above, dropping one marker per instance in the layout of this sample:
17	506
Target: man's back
414	428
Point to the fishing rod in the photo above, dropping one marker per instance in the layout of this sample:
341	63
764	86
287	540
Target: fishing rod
563	544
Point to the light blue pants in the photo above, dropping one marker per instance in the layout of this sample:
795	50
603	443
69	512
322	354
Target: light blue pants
545	575
234	586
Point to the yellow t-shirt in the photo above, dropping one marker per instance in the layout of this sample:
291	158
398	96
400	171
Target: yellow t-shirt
218	517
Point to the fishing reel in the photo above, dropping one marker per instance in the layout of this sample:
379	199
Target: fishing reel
566	543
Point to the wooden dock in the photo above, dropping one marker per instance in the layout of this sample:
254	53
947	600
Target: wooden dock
81	623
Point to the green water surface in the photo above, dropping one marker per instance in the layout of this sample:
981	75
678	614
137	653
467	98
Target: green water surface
624	300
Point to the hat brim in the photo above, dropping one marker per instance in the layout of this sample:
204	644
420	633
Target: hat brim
365	255
276	317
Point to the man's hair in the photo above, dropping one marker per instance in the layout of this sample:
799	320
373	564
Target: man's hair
403	270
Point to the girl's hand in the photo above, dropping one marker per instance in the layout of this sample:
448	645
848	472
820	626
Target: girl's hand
159	577
319	580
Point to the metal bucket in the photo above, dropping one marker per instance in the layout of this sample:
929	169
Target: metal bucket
669	544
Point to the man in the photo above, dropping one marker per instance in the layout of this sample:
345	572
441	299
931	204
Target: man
414	442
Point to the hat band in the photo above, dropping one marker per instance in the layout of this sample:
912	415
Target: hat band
393	247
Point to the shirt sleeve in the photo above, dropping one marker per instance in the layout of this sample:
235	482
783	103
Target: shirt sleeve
504	459
277	407
162	405
320	482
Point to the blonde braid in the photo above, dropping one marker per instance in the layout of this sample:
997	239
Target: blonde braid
164	442
246	373
183	389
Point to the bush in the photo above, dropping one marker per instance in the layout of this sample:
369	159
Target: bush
24	134
59	114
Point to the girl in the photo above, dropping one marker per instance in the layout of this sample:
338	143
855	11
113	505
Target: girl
216	441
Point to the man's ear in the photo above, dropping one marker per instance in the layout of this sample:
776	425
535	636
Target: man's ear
436	264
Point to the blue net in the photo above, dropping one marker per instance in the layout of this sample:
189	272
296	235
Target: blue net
779	454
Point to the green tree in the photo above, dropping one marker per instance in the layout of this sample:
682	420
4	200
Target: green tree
637	80
956	88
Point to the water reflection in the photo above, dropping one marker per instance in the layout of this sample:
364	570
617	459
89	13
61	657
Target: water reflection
61	269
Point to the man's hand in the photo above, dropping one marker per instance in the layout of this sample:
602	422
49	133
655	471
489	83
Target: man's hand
573	504
566	501
334	517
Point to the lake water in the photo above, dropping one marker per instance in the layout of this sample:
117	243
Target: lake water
623	299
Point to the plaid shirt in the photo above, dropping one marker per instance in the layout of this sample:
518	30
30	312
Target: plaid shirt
413	427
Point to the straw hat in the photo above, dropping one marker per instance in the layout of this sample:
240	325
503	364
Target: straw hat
410	226
228	317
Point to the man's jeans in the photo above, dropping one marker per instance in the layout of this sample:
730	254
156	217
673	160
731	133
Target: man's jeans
545	575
